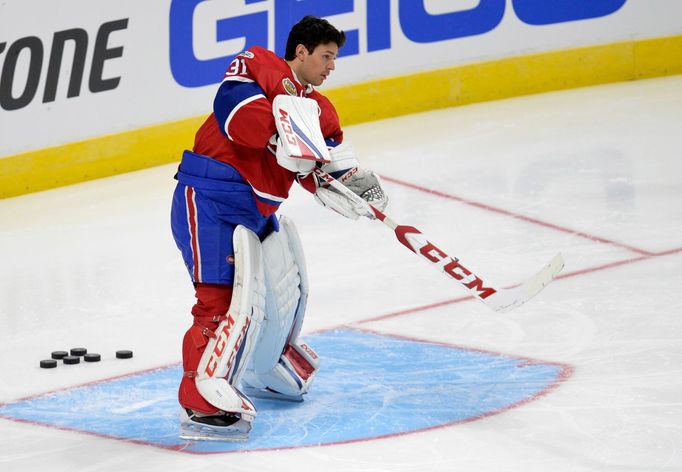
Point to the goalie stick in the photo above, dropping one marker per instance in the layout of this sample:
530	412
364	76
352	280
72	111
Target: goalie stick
498	299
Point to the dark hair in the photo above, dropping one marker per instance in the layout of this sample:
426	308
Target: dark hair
311	32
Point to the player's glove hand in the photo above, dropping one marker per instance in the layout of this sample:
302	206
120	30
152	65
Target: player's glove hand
363	182
367	184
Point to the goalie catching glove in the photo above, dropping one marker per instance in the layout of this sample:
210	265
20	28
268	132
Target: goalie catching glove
363	182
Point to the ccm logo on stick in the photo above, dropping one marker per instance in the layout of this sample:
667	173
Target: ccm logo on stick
456	270
415	241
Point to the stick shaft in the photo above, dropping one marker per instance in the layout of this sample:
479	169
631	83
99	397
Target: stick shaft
497	299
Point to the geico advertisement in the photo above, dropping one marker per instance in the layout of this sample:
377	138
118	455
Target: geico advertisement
75	69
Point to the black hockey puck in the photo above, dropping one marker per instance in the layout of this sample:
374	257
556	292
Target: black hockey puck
124	354
78	351
92	357
71	360
48	364
59	354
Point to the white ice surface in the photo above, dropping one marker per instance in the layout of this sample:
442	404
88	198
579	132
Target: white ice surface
595	173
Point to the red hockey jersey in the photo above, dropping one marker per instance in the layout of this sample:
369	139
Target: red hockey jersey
238	130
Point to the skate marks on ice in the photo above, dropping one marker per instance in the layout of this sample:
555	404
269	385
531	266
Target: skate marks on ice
370	386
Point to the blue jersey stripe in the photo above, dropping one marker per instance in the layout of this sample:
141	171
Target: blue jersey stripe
230	95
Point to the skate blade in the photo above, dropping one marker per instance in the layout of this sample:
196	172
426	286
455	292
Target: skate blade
194	432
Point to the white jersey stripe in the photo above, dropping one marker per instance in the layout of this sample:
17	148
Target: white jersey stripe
235	109
266	195
236	78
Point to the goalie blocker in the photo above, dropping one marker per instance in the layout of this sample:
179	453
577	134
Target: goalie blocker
301	148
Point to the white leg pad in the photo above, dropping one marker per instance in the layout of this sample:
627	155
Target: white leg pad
227	354
282	365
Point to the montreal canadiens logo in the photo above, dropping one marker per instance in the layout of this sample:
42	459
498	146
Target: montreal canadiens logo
289	87
247	54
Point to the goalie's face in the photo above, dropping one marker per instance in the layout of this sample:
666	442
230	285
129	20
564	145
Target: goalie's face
314	67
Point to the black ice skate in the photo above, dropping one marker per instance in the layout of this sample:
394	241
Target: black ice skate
219	427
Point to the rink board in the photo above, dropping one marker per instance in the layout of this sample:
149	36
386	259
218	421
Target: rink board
370	386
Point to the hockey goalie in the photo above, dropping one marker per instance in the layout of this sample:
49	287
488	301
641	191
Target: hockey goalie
269	128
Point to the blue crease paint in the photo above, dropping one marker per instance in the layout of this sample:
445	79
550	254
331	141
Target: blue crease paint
369	386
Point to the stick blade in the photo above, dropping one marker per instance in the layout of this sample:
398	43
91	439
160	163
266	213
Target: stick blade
508	299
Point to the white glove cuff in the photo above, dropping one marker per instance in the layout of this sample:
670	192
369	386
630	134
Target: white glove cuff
342	158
